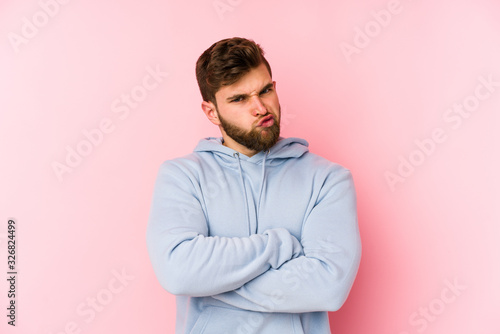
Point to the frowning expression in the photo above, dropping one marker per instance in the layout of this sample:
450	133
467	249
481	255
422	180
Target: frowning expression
248	112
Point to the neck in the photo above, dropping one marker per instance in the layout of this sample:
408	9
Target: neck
228	142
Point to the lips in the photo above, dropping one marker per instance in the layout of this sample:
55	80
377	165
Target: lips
266	121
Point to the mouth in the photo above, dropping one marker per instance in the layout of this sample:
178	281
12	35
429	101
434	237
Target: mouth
266	121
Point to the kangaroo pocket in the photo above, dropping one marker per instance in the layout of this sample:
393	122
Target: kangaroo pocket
220	320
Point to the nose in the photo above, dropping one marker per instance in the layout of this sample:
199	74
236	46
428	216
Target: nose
258	107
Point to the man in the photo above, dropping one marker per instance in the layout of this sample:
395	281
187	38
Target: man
252	232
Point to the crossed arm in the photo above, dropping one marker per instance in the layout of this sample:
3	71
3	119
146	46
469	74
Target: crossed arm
268	272
321	279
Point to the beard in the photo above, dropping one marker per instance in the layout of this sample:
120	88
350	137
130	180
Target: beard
258	139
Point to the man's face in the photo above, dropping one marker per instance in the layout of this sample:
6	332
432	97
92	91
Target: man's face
249	112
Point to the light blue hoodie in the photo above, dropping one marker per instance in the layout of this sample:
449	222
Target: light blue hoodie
266	244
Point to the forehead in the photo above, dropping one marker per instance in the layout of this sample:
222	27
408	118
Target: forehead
251	82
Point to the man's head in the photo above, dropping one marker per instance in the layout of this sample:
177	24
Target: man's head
239	95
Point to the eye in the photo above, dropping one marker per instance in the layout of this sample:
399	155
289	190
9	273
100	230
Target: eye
238	99
267	90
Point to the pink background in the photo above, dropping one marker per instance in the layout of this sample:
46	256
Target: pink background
365	109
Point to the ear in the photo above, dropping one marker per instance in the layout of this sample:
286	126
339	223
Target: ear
210	111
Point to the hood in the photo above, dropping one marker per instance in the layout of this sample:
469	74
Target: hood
285	148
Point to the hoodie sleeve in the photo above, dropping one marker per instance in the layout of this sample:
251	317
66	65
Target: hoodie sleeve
322	278
187	261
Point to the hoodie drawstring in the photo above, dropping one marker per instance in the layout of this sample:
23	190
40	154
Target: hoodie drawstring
237	155
263	180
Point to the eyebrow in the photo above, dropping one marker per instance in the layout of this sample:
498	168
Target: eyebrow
237	96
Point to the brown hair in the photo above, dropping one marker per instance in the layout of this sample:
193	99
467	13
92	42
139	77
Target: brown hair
225	62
